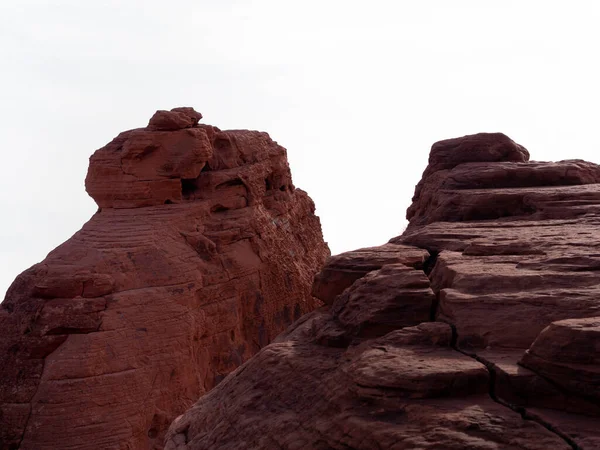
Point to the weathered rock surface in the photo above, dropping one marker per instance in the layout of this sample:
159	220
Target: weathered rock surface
487	341
202	252
343	270
567	353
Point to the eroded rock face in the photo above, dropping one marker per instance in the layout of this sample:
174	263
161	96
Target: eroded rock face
487	340
202	252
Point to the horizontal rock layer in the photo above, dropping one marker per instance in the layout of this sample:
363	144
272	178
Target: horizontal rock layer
487	340
202	252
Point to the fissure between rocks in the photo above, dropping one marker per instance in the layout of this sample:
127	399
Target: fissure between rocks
428	266
430	262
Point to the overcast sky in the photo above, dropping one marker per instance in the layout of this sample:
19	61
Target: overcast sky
356	91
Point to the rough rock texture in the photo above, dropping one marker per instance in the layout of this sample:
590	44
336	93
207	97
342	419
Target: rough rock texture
202	252
567	353
343	270
489	340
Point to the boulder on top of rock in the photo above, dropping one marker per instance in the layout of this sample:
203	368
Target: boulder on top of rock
176	119
480	147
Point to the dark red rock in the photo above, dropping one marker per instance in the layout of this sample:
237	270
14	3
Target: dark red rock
190	112
513	251
203	252
176	119
488	176
481	147
384	300
342	270
567	353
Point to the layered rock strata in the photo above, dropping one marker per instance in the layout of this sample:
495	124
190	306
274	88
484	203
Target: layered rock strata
477	328
202	252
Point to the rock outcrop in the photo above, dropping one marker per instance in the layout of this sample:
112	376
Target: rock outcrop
477	328
201	253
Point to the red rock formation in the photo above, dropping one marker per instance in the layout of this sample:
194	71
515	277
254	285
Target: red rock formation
477	328
201	253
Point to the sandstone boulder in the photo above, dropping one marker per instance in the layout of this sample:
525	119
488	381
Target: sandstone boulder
176	119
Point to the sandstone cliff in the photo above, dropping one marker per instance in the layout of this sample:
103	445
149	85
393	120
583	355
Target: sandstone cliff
201	252
478	328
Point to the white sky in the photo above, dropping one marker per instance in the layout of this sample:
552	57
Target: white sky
356	91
